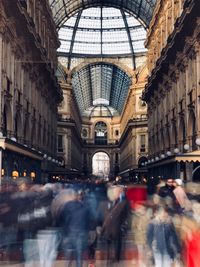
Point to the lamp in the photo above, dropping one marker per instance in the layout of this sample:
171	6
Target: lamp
162	156
197	141
13	139
49	158
176	150
157	158
169	153
45	156
186	147
15	174
32	174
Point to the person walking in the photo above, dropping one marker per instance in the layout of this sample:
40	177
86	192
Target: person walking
74	219
182	203
115	220
162	239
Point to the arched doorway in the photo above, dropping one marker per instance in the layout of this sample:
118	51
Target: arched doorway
101	165
196	172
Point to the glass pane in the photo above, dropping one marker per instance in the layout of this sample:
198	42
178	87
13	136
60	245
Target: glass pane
114	36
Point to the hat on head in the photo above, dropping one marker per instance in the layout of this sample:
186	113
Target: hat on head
179	181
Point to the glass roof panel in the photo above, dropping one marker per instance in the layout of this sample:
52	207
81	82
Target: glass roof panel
62	9
100	84
92	12
102	31
89	23
117	49
85	48
110	10
132	21
65	32
115	36
71	21
88	37
65	46
137	46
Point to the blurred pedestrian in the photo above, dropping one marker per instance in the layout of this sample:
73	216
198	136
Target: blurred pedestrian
74	219
162	239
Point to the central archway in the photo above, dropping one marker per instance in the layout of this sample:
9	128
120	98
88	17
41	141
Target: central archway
101	165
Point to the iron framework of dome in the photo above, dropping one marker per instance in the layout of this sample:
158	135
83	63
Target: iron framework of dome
64	9
100	84
101	110
101	32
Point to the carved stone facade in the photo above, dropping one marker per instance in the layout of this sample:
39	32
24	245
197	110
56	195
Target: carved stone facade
30	93
133	124
173	89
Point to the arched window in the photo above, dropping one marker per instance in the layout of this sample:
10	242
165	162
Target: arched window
101	133
142	161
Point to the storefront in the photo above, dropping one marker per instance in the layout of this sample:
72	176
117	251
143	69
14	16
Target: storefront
184	166
17	160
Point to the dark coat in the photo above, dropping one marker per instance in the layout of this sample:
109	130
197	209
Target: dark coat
162	237
74	218
115	219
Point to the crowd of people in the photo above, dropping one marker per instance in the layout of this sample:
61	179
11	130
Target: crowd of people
44	221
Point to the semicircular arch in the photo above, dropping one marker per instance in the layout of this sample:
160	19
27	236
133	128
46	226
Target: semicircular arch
129	71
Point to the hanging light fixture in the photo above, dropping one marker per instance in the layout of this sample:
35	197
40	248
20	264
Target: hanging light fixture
169	153
186	147
33	175
176	150
197	141
15	174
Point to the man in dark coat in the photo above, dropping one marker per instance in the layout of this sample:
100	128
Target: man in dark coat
74	218
115	219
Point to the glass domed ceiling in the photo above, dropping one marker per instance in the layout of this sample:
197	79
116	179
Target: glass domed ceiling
101	31
100	89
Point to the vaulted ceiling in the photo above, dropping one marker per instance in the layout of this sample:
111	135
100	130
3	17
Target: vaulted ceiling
99	29
100	84
64	9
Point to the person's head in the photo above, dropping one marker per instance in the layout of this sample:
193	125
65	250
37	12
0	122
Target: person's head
177	182
170	182
69	194
113	192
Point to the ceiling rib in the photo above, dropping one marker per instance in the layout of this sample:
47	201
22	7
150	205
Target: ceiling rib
129	39
73	38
